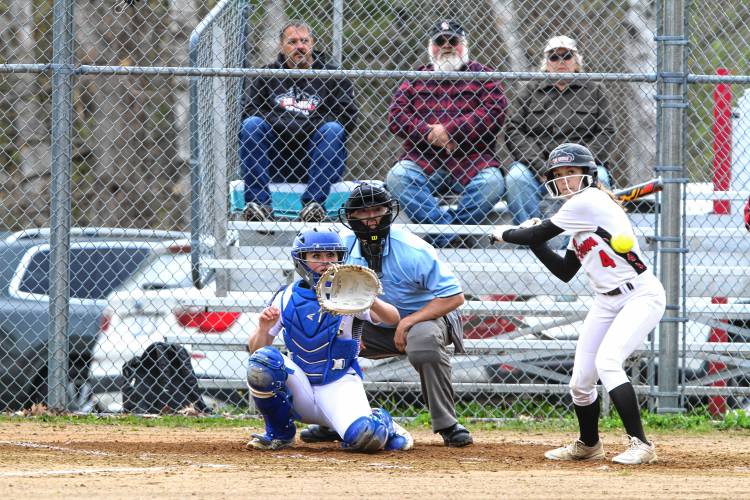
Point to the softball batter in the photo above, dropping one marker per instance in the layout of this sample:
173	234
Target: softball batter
629	300
320	381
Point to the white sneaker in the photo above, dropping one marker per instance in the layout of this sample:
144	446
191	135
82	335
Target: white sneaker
577	451
638	452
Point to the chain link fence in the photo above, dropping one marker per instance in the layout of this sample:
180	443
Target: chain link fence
159	157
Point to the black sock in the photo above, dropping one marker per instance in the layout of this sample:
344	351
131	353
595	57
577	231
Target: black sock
623	397
588	422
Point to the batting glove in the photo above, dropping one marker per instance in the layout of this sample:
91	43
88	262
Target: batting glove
530	223
496	236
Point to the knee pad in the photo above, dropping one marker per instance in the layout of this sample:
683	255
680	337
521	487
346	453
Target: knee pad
368	434
266	377
266	373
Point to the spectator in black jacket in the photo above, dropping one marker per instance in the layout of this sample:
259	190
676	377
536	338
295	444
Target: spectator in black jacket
548	113
294	129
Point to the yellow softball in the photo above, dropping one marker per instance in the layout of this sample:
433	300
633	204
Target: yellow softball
622	242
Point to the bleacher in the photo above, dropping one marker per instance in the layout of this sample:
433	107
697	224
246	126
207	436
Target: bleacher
716	263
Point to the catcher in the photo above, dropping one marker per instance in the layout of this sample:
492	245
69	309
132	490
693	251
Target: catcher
319	381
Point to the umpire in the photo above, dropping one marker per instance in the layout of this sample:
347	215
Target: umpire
427	295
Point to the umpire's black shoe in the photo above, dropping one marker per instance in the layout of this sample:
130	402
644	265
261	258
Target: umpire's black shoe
318	434
456	436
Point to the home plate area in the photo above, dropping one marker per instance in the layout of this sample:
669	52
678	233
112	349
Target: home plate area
129	461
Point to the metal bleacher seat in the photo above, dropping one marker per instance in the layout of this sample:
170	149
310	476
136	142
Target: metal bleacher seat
502	281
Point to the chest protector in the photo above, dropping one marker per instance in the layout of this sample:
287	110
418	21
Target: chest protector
314	342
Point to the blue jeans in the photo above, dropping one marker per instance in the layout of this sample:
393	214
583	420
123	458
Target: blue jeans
525	191
327	159
415	191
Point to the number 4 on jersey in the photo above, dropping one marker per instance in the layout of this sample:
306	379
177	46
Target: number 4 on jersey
606	259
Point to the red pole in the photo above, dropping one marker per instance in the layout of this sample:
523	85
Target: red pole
722	170
722	146
717	405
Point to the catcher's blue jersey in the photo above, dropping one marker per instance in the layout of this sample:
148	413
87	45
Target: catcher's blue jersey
315	339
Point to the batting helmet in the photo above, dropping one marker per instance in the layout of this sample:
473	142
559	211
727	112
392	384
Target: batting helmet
315	240
571	155
367	195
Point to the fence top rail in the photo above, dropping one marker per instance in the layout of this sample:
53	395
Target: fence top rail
360	73
378	74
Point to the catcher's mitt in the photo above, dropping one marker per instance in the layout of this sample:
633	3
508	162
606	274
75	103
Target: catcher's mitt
347	289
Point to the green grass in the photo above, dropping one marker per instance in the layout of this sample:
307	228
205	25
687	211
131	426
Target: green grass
137	421
696	422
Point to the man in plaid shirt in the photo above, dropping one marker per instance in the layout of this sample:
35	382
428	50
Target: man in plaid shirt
449	128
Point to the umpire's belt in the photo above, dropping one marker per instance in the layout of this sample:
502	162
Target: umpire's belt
624	288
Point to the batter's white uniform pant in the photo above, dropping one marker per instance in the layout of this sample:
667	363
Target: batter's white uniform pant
614	328
335	405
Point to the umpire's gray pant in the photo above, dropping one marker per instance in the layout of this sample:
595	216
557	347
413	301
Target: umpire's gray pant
426	344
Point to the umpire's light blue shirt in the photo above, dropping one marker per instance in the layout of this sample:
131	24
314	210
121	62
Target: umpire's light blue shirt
412	273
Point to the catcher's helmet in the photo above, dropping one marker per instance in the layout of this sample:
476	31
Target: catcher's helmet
367	195
315	240
571	155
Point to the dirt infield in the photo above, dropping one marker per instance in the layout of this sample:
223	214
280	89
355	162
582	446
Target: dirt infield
80	461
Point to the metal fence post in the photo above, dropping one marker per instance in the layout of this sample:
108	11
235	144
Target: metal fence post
672	105
60	213
338	31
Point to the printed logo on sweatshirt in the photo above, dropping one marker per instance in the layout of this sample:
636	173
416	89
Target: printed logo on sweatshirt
302	103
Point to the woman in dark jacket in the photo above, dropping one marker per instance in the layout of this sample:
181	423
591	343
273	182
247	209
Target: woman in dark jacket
547	114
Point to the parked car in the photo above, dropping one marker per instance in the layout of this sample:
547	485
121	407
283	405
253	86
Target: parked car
146	308
100	260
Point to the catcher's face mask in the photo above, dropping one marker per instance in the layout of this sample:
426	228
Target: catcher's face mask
316	242
567	181
373	224
379	209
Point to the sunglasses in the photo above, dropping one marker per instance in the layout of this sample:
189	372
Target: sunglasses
442	40
554	57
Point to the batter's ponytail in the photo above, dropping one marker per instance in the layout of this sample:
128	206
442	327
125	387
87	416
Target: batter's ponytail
602	187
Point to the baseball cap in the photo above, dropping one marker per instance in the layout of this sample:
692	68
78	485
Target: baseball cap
446	27
560	42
